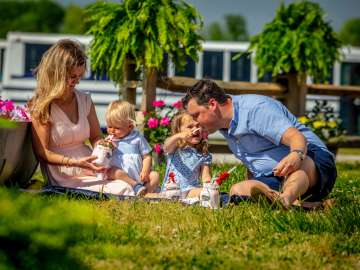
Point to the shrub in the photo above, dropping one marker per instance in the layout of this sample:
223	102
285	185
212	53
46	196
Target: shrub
297	40
157	123
323	121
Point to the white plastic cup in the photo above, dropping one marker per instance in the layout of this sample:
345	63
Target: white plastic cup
172	191
209	196
103	155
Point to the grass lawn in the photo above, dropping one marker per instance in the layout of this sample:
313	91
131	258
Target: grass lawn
57	233
349	151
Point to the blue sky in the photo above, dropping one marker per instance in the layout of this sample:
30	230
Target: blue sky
258	12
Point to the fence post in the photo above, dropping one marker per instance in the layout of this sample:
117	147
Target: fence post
295	97
130	77
149	90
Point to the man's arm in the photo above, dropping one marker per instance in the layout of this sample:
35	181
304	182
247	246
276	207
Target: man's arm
292	162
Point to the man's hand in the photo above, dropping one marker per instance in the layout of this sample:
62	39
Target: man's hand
288	164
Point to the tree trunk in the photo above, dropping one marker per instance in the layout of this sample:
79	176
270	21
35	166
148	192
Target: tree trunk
149	90
295	97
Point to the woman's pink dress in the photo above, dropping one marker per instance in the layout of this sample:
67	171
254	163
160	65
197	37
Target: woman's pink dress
68	139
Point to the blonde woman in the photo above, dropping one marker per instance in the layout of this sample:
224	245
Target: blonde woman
64	119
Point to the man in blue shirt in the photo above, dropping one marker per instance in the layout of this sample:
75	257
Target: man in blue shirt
285	159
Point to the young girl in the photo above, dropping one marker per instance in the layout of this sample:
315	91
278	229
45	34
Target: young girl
131	160
188	160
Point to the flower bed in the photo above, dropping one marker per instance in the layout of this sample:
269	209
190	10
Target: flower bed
17	158
157	124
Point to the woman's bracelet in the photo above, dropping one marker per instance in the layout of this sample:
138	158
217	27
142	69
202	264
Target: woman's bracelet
68	161
62	160
72	162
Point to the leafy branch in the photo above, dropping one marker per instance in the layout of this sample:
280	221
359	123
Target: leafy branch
144	31
297	40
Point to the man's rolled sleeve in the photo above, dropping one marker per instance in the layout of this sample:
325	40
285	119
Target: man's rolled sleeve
269	121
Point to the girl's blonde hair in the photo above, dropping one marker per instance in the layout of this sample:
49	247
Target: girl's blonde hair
119	111
176	124
52	74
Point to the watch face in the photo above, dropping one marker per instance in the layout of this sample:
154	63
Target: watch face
300	153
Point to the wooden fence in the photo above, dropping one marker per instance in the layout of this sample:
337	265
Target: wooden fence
290	89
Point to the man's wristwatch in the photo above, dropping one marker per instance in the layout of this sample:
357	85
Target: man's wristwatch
300	153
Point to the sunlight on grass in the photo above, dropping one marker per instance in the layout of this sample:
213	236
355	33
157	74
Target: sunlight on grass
132	235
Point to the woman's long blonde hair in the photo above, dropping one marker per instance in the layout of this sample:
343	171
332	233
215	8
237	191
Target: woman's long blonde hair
52	74
176	124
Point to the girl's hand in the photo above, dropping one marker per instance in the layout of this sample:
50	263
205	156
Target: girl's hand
186	134
144	176
86	163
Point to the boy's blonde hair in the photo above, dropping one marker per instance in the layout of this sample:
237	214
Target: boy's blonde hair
52	74
176	124
119	111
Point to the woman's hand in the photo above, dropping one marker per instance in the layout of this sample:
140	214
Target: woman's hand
287	165
86	163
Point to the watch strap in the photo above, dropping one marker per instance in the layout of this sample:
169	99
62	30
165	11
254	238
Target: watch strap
300	153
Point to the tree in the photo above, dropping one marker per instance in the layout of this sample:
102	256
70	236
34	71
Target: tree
234	30
142	31
298	40
215	32
236	27
30	16
74	20
350	32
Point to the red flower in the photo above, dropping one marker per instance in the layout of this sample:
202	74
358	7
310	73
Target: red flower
178	104
222	176
172	177
205	135
157	148
153	122
165	121
158	103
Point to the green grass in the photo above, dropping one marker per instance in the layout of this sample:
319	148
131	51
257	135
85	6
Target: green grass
349	151
57	233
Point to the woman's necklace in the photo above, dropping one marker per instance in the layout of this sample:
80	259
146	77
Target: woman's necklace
67	100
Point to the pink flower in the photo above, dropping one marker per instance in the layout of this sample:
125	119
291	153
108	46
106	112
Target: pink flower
165	121
158	103
178	104
7	105
205	135
15	113
157	148
144	113
153	122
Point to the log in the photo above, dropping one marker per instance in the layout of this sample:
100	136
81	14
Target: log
333	90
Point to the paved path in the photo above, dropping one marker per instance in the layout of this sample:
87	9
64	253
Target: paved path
230	158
